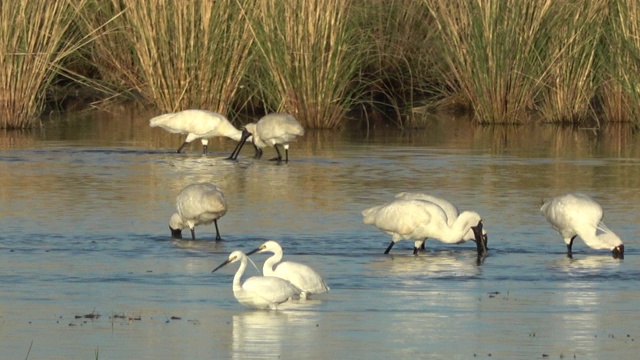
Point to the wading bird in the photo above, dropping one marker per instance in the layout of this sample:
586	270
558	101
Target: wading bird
302	276
259	292
579	215
273	130
199	124
450	210
417	219
197	204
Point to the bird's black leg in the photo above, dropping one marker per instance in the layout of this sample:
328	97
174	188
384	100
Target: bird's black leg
389	247
423	246
279	157
204	149
193	234
218	238
286	155
416	250
258	153
243	139
182	146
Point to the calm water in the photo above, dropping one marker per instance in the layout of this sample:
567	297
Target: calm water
84	210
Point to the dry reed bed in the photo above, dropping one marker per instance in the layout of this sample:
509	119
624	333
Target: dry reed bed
505	61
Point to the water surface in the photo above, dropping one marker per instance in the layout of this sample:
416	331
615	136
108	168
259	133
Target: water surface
85	204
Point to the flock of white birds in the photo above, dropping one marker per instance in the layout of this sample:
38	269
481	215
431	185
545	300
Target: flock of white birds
411	216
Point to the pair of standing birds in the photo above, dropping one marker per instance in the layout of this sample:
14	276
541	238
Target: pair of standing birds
281	280
416	216
271	130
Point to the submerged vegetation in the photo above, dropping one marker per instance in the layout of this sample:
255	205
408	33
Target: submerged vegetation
505	61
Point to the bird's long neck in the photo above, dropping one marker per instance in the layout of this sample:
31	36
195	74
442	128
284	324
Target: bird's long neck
461	225
237	286
234	134
270	263
607	239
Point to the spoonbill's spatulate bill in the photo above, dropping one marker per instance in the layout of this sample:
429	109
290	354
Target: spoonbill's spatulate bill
418	219
273	130
450	210
198	124
300	275
259	292
577	214
197	204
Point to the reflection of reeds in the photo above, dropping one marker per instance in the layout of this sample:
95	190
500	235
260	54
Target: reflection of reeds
309	58
35	38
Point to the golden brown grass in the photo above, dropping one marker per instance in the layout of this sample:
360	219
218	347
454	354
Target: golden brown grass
177	54
309	58
35	38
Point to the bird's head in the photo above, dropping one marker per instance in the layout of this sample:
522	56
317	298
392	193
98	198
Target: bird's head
618	252
233	257
481	238
176	225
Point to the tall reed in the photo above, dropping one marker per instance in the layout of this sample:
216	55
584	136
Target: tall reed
35	38
189	54
310	58
571	81
397	70
620	93
493	53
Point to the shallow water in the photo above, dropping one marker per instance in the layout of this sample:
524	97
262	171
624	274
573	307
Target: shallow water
85	204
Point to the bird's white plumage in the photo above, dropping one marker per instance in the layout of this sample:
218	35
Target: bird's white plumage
418	219
273	130
578	214
197	124
198	204
300	275
259	292
449	208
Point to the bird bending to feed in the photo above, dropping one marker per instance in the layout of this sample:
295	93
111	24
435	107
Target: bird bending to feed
198	124
450	210
302	276
273	130
197	204
259	292
577	214
418	219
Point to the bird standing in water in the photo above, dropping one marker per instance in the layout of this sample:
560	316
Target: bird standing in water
273	130
197	204
577	214
417	219
450	210
258	292
198	124
300	275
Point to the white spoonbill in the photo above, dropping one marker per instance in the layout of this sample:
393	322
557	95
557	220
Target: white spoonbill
302	276
259	292
197	204
450	210
577	214
198	124
273	130
417	219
